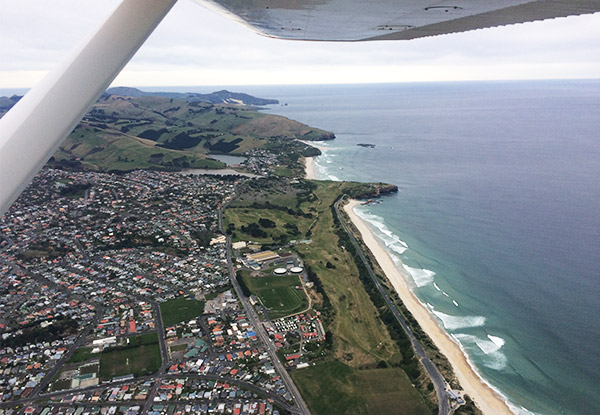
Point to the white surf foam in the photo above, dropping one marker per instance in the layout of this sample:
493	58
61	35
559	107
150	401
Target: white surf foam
519	410
498	341
389	239
492	356
397	248
457	322
421	277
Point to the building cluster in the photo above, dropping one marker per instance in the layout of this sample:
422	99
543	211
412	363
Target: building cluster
298	336
260	161
86	260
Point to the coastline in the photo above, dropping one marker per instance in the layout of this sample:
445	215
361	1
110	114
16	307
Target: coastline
490	402
309	168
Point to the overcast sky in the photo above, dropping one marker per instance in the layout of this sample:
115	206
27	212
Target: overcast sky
195	46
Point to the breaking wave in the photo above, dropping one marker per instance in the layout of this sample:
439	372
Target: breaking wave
390	240
455	322
489	350
421	277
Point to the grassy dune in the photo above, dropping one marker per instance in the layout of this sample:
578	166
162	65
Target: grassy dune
334	388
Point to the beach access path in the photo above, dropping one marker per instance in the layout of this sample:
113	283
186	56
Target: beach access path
482	394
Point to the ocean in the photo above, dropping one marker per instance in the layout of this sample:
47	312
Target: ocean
497	218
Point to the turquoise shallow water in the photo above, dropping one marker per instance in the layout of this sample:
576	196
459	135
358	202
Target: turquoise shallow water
497	219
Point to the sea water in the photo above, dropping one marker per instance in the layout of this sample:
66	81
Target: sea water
497	218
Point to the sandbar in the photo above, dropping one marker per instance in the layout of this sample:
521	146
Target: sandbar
489	401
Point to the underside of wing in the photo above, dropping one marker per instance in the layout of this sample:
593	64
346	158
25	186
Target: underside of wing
359	20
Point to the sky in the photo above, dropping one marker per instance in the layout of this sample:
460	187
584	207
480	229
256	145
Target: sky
196	46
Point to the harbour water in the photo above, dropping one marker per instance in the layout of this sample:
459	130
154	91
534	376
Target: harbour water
497	220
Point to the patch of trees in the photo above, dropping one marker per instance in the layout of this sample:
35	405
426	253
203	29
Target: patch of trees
141	123
223	146
266	223
179	162
312	276
292	229
156	158
253	229
153	135
74	189
230	228
181	141
245	290
95	150
202	236
33	333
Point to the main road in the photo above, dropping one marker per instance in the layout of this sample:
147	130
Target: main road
253	317
436	377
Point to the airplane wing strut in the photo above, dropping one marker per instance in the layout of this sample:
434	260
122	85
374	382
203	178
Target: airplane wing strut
36	126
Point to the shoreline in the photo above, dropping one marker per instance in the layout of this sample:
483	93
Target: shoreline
309	162
488	400
309	168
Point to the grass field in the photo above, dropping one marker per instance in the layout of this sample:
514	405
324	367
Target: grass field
279	294
360	337
81	355
180	309
334	388
140	357
244	216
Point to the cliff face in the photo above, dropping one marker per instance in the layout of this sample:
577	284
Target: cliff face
372	190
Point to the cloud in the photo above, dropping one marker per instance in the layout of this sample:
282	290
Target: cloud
195	46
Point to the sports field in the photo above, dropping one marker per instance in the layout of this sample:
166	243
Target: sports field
140	357
180	309
279	294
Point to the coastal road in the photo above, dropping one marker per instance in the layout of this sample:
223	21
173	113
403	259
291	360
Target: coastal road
253	317
434	374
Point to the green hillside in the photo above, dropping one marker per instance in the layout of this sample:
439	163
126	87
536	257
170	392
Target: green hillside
124	133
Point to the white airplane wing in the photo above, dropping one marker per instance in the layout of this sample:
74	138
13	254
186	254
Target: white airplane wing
359	20
36	126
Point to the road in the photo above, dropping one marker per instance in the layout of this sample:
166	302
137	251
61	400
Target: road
436	377
253	317
71	392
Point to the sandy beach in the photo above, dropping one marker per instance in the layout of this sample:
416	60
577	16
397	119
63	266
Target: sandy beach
484	396
309	168
309	162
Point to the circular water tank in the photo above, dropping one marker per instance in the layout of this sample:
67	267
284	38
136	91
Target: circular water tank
296	270
280	271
